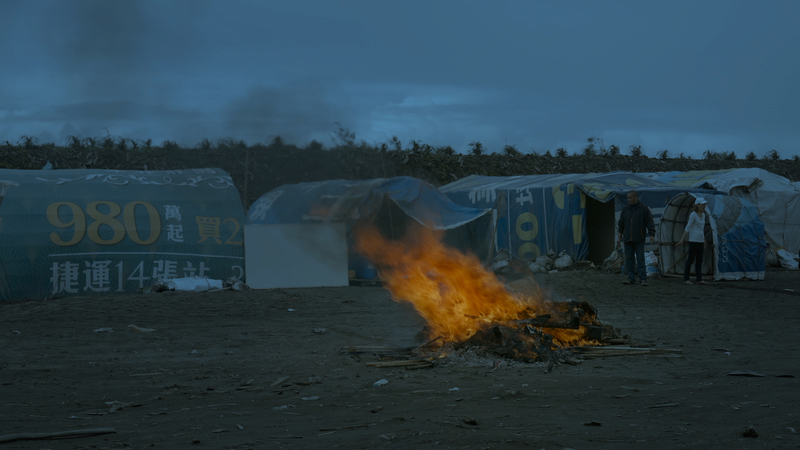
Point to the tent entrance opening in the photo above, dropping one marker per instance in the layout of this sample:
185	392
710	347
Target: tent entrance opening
600	229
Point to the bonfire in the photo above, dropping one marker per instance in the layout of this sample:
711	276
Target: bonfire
465	305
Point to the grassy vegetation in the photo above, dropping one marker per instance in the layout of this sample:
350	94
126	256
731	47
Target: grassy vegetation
258	168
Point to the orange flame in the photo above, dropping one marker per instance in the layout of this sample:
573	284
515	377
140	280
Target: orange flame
451	290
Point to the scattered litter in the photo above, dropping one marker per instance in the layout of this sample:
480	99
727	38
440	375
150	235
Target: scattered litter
310	398
380	382
453	389
749	432
99	330
278	381
235	284
664	405
140	329
499	266
792	430
116	406
743	373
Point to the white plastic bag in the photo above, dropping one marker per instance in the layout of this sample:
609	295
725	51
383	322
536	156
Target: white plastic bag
651	260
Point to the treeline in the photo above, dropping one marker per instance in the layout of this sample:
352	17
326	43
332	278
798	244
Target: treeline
259	168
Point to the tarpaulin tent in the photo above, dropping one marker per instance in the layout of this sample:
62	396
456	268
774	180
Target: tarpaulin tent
100	232
389	203
572	212
733	227
776	198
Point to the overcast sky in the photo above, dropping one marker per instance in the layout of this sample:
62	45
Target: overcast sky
685	76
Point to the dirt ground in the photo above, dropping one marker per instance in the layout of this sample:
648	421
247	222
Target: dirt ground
240	370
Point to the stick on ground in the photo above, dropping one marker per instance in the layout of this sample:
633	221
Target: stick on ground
57	435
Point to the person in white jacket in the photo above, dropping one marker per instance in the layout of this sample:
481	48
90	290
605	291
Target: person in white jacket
696	234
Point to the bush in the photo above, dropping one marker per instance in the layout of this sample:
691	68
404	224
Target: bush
636	150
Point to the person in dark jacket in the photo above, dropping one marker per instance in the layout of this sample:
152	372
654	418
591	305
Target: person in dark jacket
635	222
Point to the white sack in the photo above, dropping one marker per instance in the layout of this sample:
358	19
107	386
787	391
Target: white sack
193	284
536	268
787	259
563	261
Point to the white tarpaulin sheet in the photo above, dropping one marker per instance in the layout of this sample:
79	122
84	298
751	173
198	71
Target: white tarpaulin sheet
776	198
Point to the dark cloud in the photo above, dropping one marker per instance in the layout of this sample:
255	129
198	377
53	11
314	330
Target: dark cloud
97	47
535	74
107	50
296	112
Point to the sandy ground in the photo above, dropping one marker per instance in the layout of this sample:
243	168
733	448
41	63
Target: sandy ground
233	370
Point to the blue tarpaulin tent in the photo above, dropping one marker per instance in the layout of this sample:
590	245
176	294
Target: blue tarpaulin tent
733	228
573	212
100	232
387	202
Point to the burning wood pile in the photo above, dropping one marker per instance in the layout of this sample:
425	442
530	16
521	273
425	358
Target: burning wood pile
465	306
